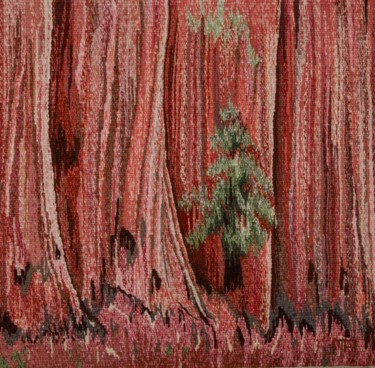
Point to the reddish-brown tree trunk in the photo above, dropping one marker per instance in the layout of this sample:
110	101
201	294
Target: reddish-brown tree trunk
202	74
85	193
323	170
35	281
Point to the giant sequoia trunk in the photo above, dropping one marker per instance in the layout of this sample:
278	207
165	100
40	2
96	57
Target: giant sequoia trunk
35	280
86	197
323	160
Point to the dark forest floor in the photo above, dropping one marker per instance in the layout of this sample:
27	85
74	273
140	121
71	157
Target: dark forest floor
135	340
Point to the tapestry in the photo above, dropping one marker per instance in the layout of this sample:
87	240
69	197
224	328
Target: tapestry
187	183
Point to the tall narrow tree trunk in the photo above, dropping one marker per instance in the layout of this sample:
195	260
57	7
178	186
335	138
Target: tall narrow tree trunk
35	282
323	170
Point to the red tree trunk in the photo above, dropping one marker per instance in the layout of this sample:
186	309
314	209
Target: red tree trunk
323	170
35	281
203	72
85	192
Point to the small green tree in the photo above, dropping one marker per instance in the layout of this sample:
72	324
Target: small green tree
239	206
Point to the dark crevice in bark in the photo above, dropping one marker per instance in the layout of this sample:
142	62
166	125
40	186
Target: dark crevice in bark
9	329
203	282
233	278
310	274
112	238
155	281
20	277
240	336
296	19
169	77
276	245
127	241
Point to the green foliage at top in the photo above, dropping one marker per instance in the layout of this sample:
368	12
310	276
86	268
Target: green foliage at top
216	26
238	207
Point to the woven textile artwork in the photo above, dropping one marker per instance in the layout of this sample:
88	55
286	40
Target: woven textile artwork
187	183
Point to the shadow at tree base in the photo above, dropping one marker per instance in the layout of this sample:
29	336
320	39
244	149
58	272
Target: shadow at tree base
124	329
